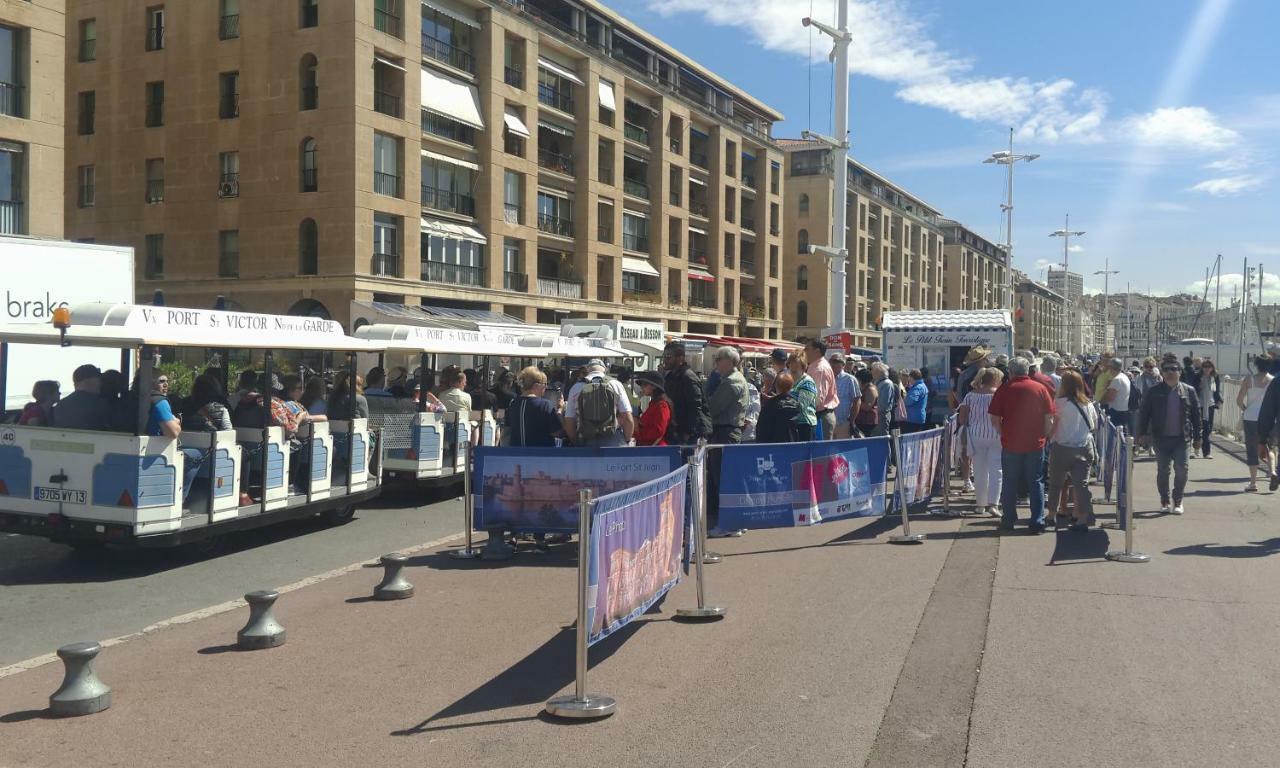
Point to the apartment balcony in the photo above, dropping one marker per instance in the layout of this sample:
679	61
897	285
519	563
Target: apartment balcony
515	281
748	224
698	256
447	200
638	243
387	103
635	188
554	161
639	296
453	274
448	53
605	174
387	264
513	77
636	133
11	218
748	180
698	208
559	287
229	27
556	98
747	266
386	21
703	302
604	233
437	125
555	225
386	184
754	309
155	191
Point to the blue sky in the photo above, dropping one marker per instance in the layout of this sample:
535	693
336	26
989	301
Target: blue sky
1158	123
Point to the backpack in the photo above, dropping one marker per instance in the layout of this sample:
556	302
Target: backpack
597	413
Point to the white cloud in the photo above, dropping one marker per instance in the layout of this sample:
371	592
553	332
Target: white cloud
1227	186
1263	249
1076	249
1191	128
1043	264
1228	164
1232	284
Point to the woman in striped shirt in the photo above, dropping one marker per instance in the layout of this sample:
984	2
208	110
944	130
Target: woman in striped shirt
984	441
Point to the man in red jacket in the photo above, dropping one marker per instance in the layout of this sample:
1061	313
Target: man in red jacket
1022	412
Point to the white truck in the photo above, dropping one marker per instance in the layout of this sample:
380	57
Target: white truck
939	340
42	275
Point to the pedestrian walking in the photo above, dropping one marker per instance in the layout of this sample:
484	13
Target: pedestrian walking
850	396
1209	390
1072	451
824	378
982	440
1022	412
1170	422
1252	391
690	419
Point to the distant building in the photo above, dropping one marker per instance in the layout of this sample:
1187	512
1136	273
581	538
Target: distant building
1038	317
975	270
32	105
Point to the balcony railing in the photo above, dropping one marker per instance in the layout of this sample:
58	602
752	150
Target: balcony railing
11	219
636	133
698	208
641	296
387	103
453	274
88	50
754	309
747	266
447	200
604	292
554	161
386	21
555	225
511	213
229	105
605	174
155	191
698	158
705	302
229	27
155	39
229	185
310	180
386	264
386	184
513	76
448	53
604	233
10	99
515	281
635	188
748	224
748	180
554	97
632	242
697	255
559	287
512	145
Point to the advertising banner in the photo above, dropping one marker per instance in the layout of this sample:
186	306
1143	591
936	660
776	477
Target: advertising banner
535	490
780	485
1122	478
1108	451
921	467
633	553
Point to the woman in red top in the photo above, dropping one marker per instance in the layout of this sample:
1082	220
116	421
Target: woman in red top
652	428
36	413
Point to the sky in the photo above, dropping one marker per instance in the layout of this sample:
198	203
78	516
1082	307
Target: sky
1157	123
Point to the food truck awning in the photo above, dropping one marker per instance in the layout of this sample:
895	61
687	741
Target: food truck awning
417	338
948	320
569	346
761	346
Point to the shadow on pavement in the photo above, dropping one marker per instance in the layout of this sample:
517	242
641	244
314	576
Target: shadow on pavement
1264	548
1073	547
555	556
532	680
25	715
396	494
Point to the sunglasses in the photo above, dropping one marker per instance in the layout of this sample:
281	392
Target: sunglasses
1170	369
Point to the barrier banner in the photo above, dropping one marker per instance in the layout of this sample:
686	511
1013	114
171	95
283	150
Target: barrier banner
633	553
1108	451
535	490
959	441
1121	463
695	498
781	485
920	472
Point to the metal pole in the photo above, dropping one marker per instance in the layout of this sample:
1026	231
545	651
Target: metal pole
946	475
582	705
701	556
467	552
906	537
1244	313
1217	301
710	558
839	238
1008	236
1128	555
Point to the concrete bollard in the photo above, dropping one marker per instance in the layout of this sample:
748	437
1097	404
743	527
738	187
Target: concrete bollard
394	586
262	631
81	692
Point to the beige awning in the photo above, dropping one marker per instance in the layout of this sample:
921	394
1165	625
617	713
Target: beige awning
451	98
515	124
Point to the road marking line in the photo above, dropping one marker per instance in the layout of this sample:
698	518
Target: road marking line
230	605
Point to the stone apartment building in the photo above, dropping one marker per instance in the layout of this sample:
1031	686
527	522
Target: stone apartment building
568	164
32	38
1039	317
975	270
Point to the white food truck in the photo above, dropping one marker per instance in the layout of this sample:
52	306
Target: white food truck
938	341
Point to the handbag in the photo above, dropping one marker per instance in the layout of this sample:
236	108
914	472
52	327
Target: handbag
1090	444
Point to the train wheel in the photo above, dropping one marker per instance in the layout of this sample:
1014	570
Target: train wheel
340	515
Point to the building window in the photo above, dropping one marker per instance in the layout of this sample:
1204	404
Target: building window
802	241
229	253
635	232
86	177
153	266
155	104
386	165
229	25
386	245
512	195
448	187
228	95
308	248
802	313
155	28
12	65
388	86
513	274
555	214
452	260
447	128
12	181
89	40
447	39
87	102
775	173
804	205
229	179
386	17
802	278
310	172
513	62
308	86
308	13
155	180
555	91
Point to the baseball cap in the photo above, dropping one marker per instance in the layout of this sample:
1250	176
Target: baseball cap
778	355
837	358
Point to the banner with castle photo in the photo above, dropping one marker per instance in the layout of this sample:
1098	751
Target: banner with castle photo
781	485
633	552
535	490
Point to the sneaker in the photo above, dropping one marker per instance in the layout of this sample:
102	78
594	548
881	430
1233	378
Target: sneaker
993	511
1177	509
1275	482
1165	509
1251	488
968	486
719	533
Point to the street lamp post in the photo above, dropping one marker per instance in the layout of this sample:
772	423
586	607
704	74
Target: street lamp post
1066	233
1008	158
1106	273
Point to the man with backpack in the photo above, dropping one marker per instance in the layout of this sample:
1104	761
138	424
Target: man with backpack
597	413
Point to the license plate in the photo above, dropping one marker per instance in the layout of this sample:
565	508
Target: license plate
61	495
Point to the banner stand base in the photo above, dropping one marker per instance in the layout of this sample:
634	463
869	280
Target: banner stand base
593	707
711	558
708	612
1119	556
907	538
464	554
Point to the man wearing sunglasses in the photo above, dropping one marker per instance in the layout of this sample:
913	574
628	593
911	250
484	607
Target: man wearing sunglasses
1169	421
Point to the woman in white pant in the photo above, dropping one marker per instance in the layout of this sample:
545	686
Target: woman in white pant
984	441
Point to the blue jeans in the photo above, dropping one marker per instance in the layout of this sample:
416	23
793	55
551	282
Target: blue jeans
1021	468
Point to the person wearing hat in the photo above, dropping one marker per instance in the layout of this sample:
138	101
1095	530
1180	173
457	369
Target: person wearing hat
777	365
652	429
591	403
83	408
974	361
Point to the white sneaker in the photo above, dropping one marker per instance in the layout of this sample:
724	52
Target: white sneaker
1165	509
968	486
1177	510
